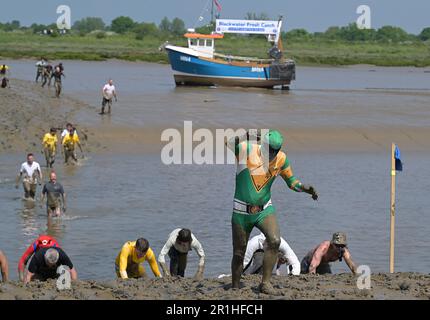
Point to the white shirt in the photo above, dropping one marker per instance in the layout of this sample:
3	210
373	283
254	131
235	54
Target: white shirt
195	244
28	170
257	243
66	132
108	91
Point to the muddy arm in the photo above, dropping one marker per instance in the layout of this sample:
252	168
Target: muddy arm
4	267
349	262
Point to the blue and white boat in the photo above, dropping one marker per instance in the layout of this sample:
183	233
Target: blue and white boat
199	64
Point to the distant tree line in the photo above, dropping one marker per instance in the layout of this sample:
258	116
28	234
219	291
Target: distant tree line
176	27
352	33
120	25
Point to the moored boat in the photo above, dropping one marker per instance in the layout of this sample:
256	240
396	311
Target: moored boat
199	64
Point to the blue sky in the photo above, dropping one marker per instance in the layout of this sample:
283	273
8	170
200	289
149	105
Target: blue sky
313	15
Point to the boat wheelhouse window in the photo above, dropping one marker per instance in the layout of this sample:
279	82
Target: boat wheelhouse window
193	42
201	43
209	42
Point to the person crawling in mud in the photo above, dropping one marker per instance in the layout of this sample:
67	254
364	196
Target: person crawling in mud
317	261
258	165
4	267
43	241
44	265
180	242
31	172
55	197
129	262
69	147
254	257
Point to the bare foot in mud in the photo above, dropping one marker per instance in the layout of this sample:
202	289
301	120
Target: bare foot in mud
230	287
267	288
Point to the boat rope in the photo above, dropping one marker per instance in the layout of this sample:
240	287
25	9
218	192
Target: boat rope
200	18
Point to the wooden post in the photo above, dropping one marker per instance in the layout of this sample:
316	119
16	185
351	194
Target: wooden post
392	206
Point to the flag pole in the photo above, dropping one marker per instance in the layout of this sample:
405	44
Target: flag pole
212	12
392	206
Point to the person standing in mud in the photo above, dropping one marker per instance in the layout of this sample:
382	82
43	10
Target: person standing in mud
4	71
31	172
50	147
180	242
47	75
317	261
43	241
128	263
4	267
44	265
69	147
40	65
55	196
108	93
57	74
69	128
258	166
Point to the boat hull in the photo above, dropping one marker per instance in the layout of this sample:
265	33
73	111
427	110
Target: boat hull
193	70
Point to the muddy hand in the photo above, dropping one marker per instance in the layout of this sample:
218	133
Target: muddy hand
310	190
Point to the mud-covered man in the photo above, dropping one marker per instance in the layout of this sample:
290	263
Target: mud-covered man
32	175
55	196
49	144
317	261
258	166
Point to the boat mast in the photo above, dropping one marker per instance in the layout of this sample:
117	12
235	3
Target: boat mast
278	39
212	12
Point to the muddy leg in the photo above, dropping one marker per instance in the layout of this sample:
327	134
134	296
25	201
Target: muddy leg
47	157
240	240
33	190
174	261
26	187
182	264
269	227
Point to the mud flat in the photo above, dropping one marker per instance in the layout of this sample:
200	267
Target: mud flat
29	111
330	287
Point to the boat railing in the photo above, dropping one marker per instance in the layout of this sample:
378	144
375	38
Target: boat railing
248	59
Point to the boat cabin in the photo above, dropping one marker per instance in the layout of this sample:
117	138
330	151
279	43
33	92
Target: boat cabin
203	43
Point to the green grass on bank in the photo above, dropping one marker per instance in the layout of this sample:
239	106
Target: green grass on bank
126	47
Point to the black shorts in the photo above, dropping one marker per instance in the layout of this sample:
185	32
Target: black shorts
105	101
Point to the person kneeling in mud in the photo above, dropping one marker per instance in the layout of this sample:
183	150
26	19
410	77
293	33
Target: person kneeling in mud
318	260
254	257
128	263
55	196
177	246
44	265
50	147
69	143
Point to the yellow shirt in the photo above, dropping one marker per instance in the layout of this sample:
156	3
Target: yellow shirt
50	141
70	140
128	255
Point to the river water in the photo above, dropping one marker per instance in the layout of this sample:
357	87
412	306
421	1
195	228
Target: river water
115	197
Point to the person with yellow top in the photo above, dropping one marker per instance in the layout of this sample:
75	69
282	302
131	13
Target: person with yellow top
128	263
4	70
50	147
69	142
